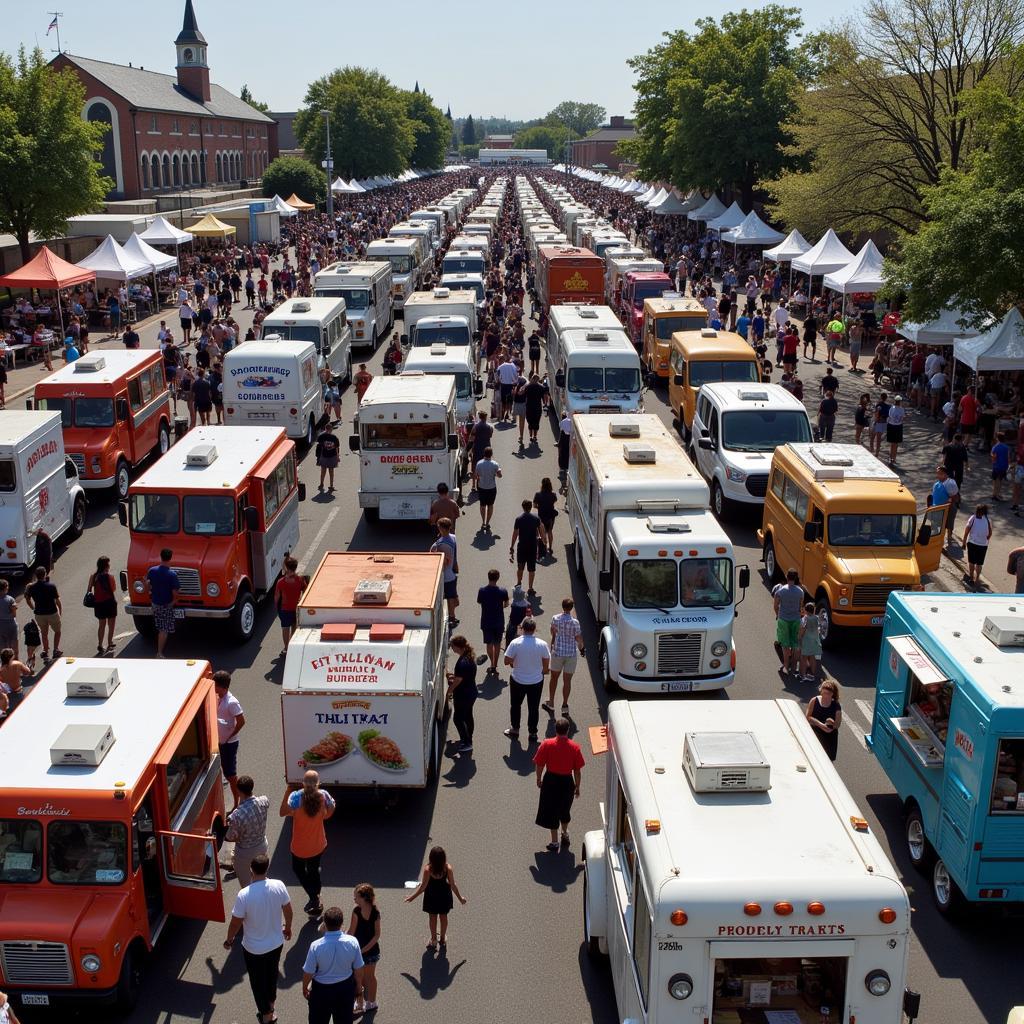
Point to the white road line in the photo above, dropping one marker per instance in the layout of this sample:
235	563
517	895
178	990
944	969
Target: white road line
855	729
866	709
321	533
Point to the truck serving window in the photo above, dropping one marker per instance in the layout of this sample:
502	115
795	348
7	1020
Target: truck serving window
186	764
871	530
763	430
1008	787
86	852
21	851
404	436
209	514
666	326
643	926
153	513
705	582
8	476
744	370
650	583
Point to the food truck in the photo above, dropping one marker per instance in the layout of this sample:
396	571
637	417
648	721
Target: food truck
107	825
39	488
226	502
362	699
568	274
441	316
115	410
638	285
409	260
948	730
662	318
655	562
734	878
366	289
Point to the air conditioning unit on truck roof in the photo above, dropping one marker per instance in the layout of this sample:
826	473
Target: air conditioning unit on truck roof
722	762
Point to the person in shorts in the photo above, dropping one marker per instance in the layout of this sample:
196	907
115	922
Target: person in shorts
527	533
788	599
103	588
286	597
447	546
493	601
44	600
162	585
8	618
566	643
486	473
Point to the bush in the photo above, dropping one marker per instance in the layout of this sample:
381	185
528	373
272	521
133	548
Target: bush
288	174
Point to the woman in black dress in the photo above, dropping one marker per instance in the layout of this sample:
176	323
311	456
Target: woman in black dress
437	886
826	715
364	926
462	690
535	392
544	502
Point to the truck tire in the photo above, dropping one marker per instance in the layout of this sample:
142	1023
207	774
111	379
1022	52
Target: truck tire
77	527
163	439
948	898
129	983
434	764
594	950
373	341
577	557
122	479
771	565
243	617
918	848
826	624
610	686
719	502
145	626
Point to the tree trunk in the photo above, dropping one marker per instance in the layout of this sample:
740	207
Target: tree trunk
23	245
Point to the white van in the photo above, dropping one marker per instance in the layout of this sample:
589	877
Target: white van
323	322
409	261
457	362
472	243
594	371
39	488
736	427
464	261
424	230
276	382
469	283
366	289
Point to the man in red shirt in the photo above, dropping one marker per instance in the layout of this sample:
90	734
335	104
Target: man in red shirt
559	763
790	343
969	414
286	596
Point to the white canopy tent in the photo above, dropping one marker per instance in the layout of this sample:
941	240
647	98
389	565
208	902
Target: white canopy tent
662	195
793	245
354	186
647	196
731	218
158	261
1001	347
110	262
752	231
283	209
713	208
340	185
670	206
944	330
825	257
163	232
862	274
692	201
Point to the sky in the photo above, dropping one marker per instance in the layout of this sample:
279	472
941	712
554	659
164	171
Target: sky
479	62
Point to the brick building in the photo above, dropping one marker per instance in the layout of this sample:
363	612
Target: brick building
599	146
170	132
498	142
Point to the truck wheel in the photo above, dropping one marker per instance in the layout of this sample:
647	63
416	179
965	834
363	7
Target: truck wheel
145	626
594	950
826	627
918	848
129	984
718	499
163	442
434	764
122	479
243	618
372	515
610	686
947	895
310	432
78	517
771	566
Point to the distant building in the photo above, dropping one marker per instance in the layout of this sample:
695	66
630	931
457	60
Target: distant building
287	143
498	141
172	131
513	156
598	148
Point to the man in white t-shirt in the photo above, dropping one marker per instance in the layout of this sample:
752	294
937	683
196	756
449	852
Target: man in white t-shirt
530	659
937	389
935	361
265	910
508	377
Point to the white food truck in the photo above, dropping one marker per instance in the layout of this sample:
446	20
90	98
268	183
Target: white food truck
657	565
324	322
366	289
39	488
734	877
457	361
362	699
273	381
593	370
408	441
443	315
409	260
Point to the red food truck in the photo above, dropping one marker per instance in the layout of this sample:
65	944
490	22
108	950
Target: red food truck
566	273
637	286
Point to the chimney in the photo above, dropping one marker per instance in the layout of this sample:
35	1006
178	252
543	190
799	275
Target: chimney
617	121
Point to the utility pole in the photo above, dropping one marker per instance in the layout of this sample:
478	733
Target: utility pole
329	163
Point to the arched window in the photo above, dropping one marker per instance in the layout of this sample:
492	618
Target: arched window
167	171
145	172
216	164
154	167
176	169
195	169
186	170
98	110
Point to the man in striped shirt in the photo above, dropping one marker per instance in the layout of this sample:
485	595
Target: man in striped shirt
566	641
247	829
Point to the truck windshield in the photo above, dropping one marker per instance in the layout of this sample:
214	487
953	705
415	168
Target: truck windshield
405	436
870	529
65	406
424	337
763	430
705	582
86	852
21	843
666	326
463	265
355	298
400	264
8	477
603	380
294	332
463	385
702	372
210	514
664	583
649	290
476	287
81	412
153	513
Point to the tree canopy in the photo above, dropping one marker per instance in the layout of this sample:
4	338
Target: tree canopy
432	131
48	152
246	97
469	132
288	174
551	137
579	119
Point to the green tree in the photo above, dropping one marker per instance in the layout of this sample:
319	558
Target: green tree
551	137
711	107
469	131
578	118
288	174
48	153
246	97
371	133
431	130
888	113
469	151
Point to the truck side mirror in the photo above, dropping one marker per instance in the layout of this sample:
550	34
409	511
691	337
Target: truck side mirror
122	513
326	349
478	387
353	442
678	380
744	577
122	409
453	442
924	535
29	403
404	339
706	444
252	517
811	531
302	491
604	580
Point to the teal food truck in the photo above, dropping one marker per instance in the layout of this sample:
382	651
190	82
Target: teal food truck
948	730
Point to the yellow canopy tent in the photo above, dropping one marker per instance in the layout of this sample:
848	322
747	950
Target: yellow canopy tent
299	204
210	227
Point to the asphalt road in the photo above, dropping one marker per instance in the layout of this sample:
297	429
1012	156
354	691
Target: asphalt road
515	950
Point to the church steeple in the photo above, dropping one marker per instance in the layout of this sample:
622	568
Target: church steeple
193	70
416	88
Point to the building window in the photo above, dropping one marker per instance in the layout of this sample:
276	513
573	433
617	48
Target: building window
175	126
220	176
222	132
195	169
186	168
167	171
176	169
101	112
193	128
145	173
236	131
154	124
188	56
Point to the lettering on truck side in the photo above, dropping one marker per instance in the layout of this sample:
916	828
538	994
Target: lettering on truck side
768	930
46	448
406	458
673	621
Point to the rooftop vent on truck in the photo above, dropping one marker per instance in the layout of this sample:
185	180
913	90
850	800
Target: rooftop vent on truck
82	744
637	453
375	591
722	762
1004	630
300	307
441	293
89	364
623	428
93	682
202	455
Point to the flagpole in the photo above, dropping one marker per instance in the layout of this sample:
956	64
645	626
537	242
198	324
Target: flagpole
56	24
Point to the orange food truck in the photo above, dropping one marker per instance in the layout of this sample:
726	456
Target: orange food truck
108	826
226	502
568	274
115	411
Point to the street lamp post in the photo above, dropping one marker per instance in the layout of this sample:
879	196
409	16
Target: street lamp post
330	169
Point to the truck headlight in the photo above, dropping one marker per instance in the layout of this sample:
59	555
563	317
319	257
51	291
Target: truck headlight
97	466
91	963
138	586
638	650
719	647
213	590
680	986
878	983
737	476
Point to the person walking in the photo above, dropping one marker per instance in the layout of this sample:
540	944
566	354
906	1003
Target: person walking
810	644
247	829
286	598
564	448
879	424
44	600
333	973
535	393
508	377
103	588
364	927
566	645
9	619
480	436
519	404
444	505
977	534
529	659
894	427
162	585
811	335
309	807
202	394
827	409
486	473
1000	456
525	539
861	418
332	398
834	334
448	546
263	913
544	501
328	449
945	490
230	720
362	380
825	715
856	334
437	884
559	763
493	601
788	601
462	690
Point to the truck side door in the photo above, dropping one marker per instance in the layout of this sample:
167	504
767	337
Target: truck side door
929	554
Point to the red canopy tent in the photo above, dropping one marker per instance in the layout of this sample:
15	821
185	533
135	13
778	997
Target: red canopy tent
47	270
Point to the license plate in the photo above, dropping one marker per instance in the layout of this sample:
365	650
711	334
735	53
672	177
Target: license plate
877	620
404	508
35	999
677	687
179	613
262	416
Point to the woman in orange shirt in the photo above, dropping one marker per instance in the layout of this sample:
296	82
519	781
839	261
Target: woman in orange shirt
309	807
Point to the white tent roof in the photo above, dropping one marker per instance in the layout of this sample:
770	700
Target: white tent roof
944	330
713	208
283	208
662	195
637	186
1001	347
670	205
793	245
110	262
340	185
645	197
752	231
163	232
862	274
731	218
354	186
157	260
828	255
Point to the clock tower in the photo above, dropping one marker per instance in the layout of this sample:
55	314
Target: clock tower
193	71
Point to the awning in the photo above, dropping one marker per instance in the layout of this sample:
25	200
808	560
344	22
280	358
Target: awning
47	270
112	262
299	204
163	232
1001	347
211	227
905	649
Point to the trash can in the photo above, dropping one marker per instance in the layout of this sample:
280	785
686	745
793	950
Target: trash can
180	427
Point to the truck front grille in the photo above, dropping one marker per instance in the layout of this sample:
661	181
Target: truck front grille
189	580
36	963
679	654
874	595
79	461
757	485
606	408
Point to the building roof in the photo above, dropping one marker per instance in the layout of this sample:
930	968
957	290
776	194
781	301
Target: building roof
151	90
498	138
189	28
607	135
